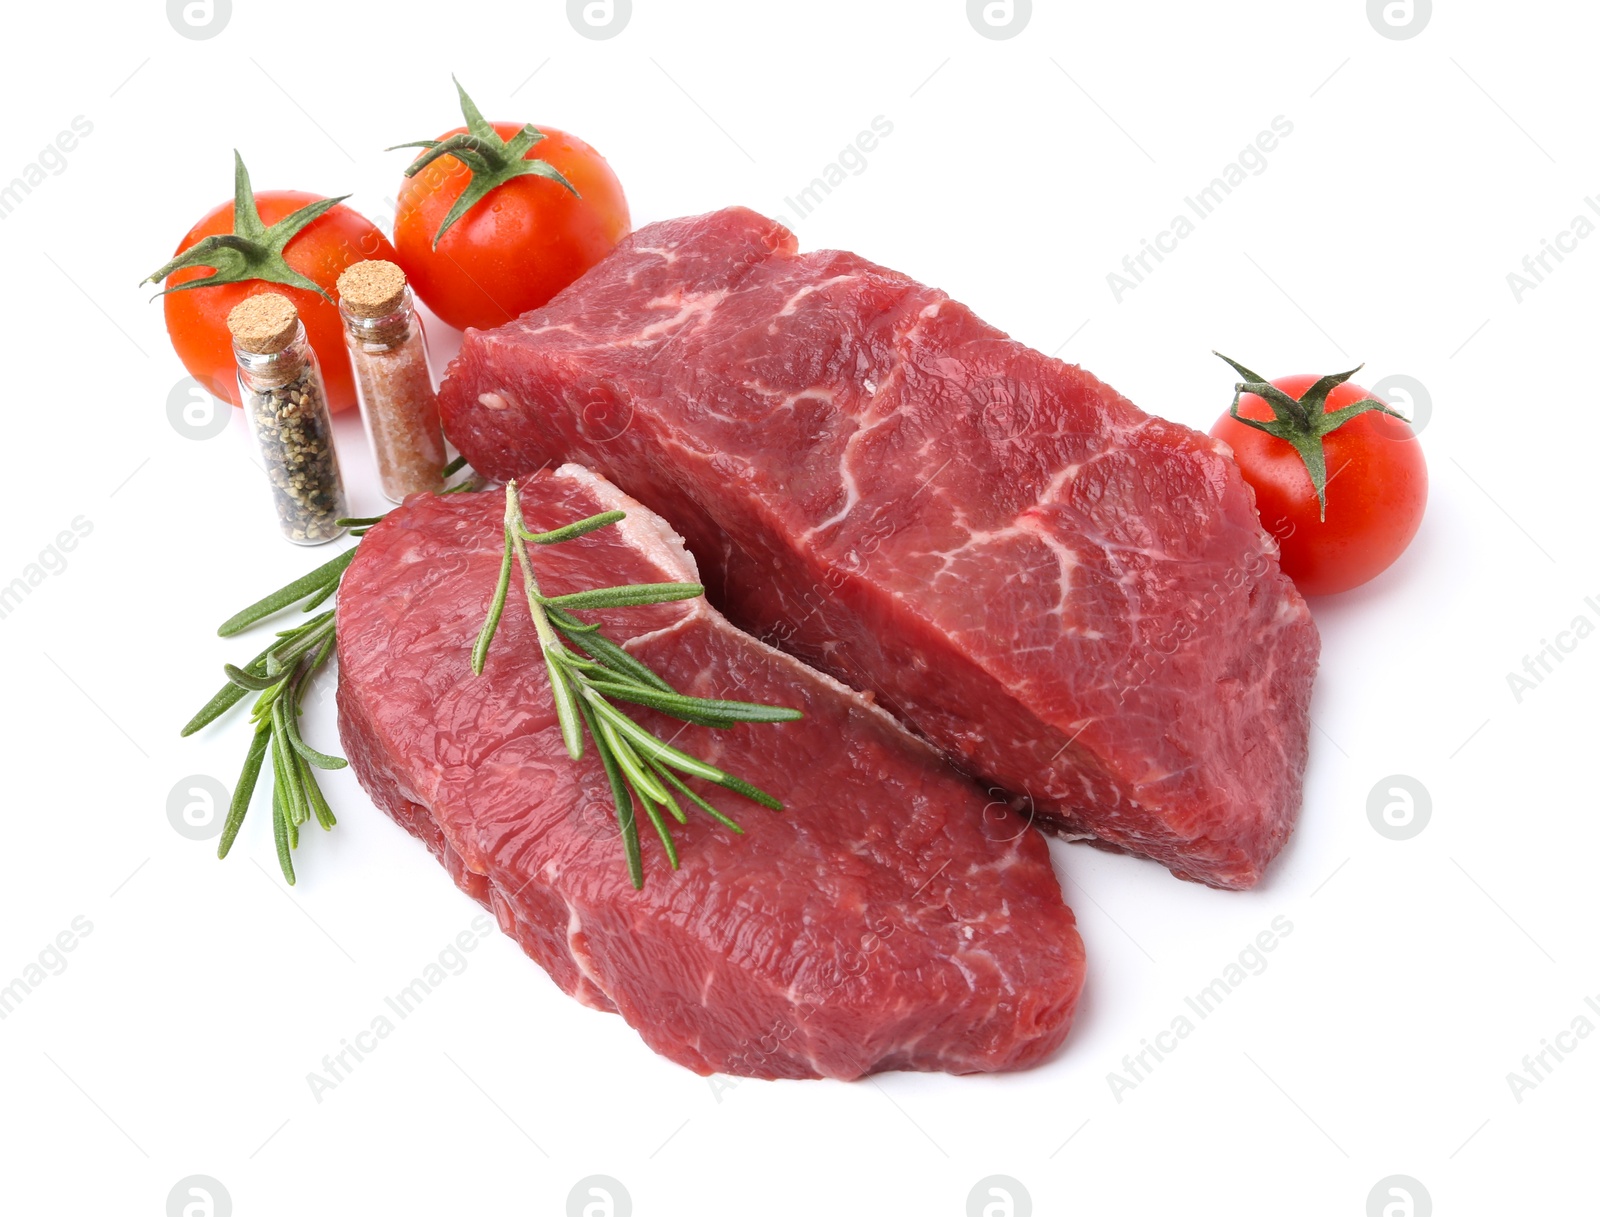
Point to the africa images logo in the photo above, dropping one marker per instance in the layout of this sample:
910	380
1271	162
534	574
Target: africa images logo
1399	19
599	1196
193	806
999	1196
199	19
194	413
599	19
1399	1196
199	1196
1399	807
999	19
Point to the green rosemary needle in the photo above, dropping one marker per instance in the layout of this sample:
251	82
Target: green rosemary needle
641	768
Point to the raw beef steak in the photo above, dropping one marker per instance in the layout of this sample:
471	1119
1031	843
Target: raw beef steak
890	917
1072	599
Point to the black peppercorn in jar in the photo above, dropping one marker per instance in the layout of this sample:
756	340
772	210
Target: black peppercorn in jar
286	407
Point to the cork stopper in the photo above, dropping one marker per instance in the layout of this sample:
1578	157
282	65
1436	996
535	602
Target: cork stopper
372	289
264	324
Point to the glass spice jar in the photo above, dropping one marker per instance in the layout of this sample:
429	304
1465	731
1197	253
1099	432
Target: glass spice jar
286	406
393	384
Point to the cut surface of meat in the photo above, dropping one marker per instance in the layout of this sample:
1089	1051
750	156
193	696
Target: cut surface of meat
890	917
1072	599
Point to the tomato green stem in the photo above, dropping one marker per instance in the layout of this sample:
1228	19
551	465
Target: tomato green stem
492	160
477	154
252	250
1304	422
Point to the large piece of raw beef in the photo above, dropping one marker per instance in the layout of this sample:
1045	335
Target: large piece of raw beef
890	917
1074	600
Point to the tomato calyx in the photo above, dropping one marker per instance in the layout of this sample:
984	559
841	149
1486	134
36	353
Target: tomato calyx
253	250
1302	423
492	160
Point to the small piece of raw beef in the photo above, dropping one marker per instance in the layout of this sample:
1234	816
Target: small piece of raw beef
1074	600
890	917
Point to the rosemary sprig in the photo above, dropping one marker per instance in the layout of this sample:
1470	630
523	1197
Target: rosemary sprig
279	676
641	768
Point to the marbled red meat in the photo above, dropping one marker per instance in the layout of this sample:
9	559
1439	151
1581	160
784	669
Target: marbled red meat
1071	598
890	917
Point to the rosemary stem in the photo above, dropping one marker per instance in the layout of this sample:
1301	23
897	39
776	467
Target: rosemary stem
644	772
530	584
566	707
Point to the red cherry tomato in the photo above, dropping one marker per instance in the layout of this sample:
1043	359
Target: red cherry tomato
1377	486
197	320
517	246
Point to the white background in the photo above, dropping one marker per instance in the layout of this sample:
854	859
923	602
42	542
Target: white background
1020	171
